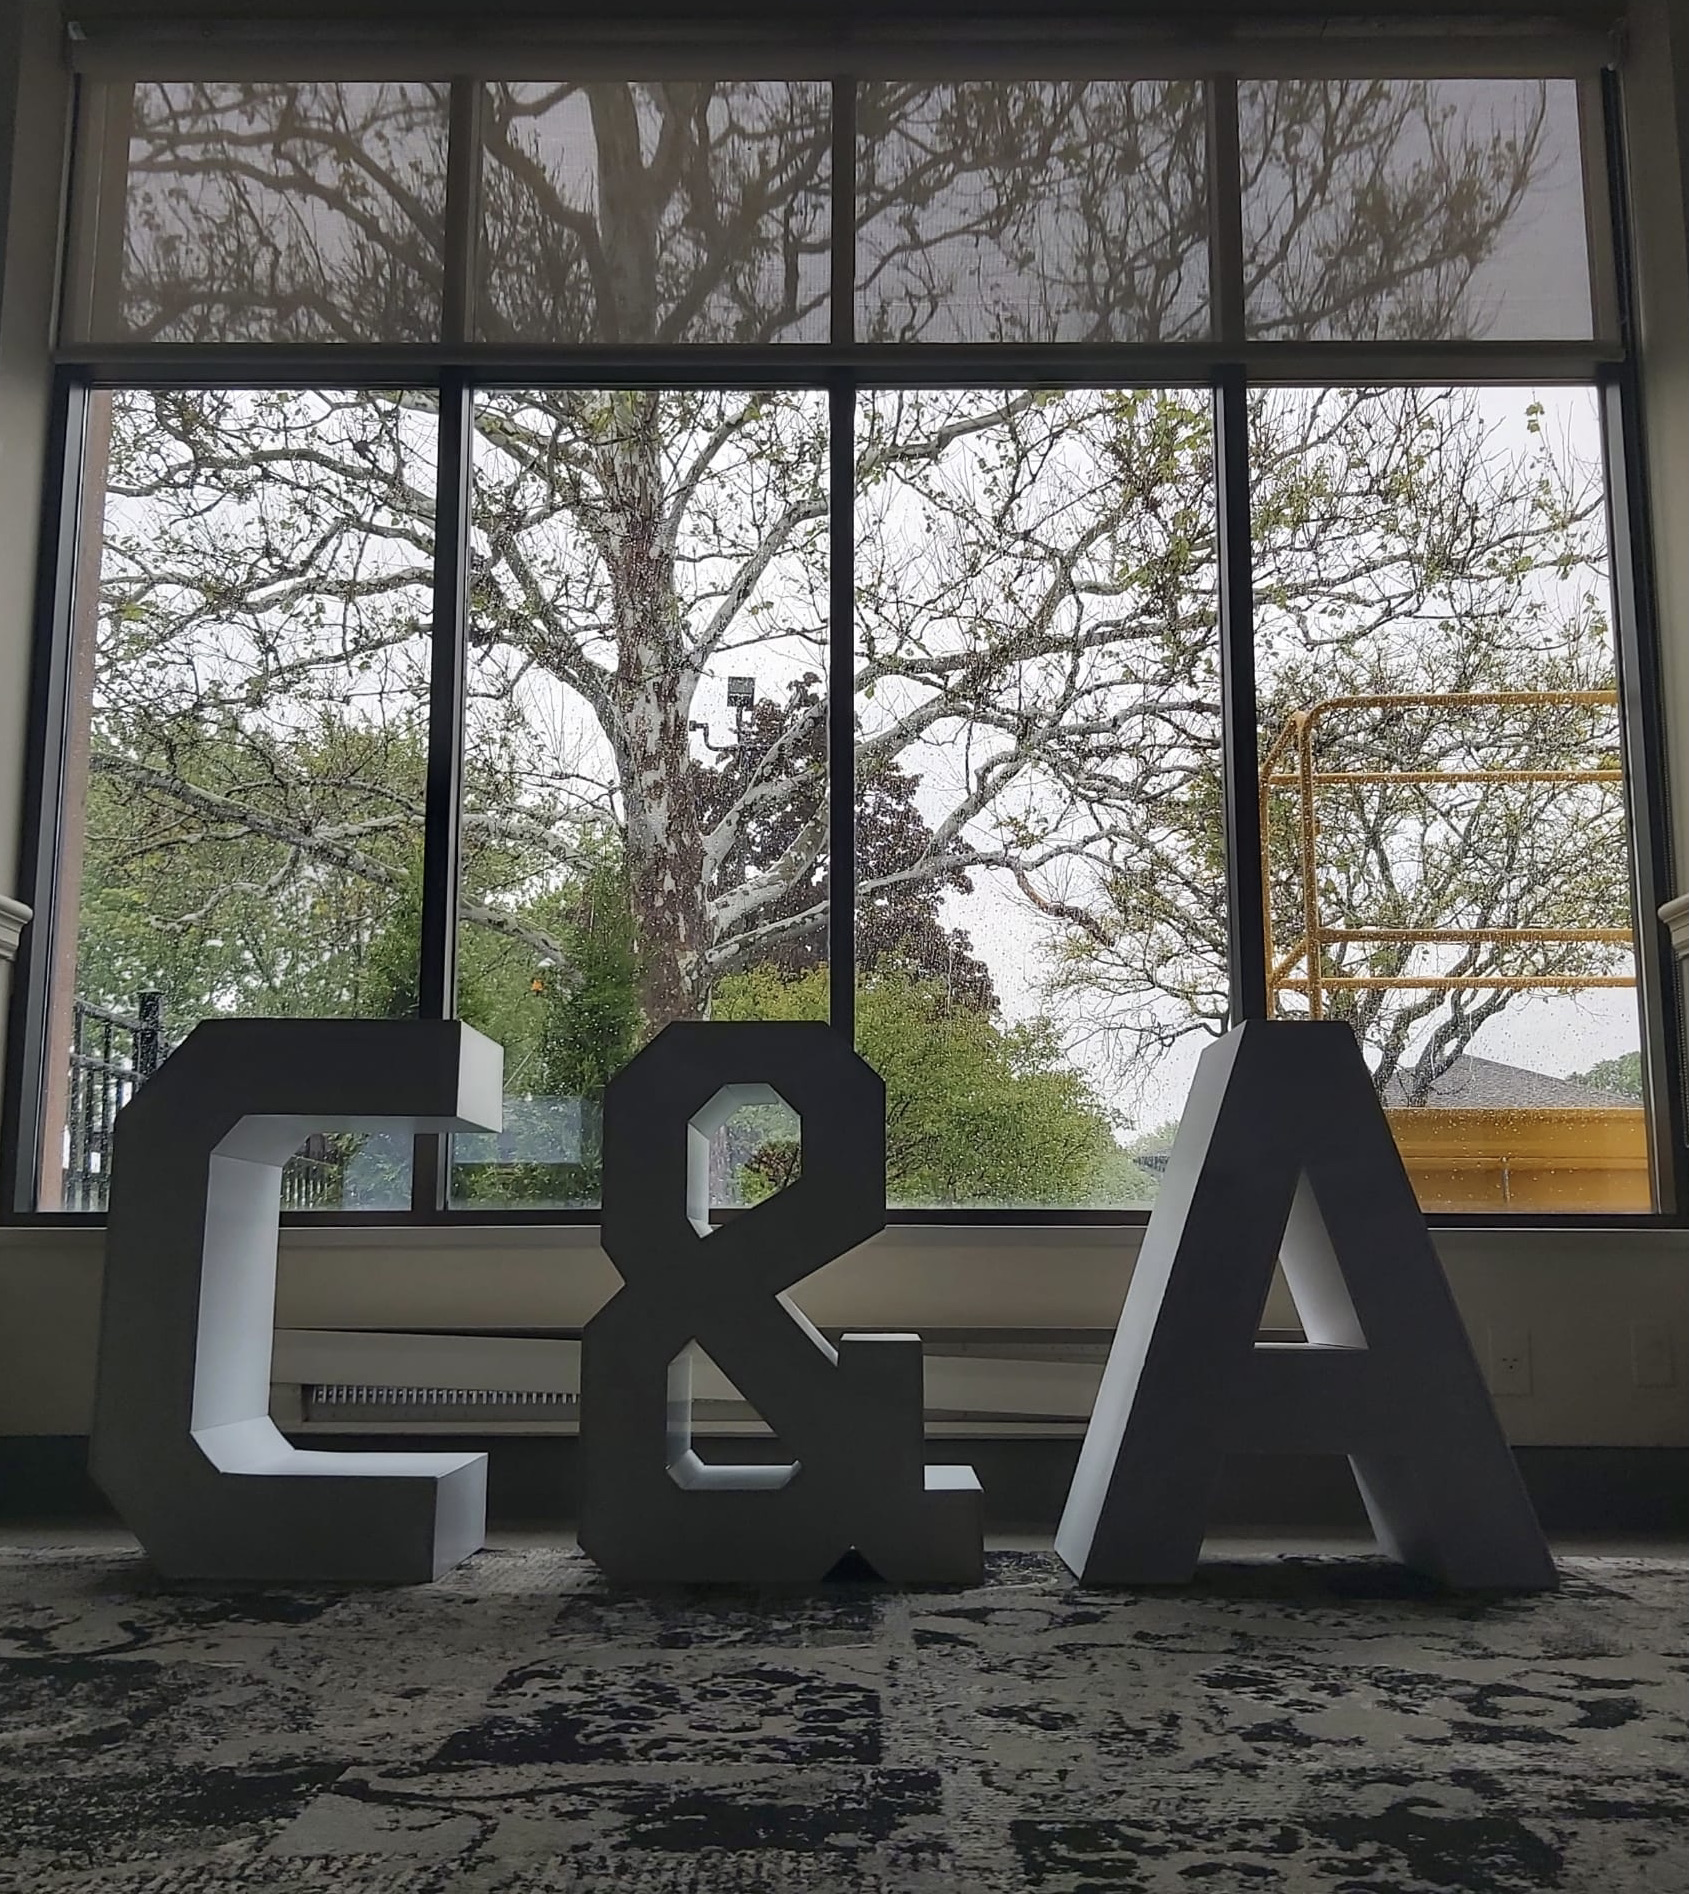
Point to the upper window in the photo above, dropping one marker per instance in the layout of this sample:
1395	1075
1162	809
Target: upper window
999	212
1034	213
275	213
1413	209
655	213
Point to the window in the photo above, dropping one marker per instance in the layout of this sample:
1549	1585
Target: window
275	213
1031	213
1039	827
1447	850
1030	570
1413	208
248	739
645	799
656	213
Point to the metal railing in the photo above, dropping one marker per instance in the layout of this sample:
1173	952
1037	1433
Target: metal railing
111	1056
1289	765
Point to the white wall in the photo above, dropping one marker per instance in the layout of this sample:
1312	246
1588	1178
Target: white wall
1579	1296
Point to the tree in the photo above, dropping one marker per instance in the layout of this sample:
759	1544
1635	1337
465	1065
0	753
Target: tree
1622	1075
566	1029
976	1112
897	918
204	891
1408	555
1036	654
685	212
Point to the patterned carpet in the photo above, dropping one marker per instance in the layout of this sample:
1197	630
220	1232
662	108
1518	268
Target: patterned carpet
520	1727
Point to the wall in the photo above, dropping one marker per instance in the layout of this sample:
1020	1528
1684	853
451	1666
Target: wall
1584	1300
1593	1306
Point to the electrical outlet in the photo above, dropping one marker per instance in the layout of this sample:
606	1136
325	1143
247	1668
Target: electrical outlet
1651	1363
1510	1358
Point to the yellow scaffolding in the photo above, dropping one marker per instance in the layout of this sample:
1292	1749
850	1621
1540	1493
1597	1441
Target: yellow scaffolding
1289	765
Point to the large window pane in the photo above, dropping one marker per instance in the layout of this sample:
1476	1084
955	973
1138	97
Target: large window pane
248	738
1031	212
656	213
645	817
267	212
1041	890
1448	854
1413	209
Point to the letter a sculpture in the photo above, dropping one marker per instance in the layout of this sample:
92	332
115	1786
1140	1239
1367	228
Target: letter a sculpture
1285	1154
183	1442
653	1510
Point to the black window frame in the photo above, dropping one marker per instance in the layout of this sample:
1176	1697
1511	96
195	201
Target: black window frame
1229	365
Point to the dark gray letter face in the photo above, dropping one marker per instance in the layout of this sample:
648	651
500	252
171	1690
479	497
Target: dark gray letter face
1284	1150
651	1509
183	1444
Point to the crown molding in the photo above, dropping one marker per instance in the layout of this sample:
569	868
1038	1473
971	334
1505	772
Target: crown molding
14	918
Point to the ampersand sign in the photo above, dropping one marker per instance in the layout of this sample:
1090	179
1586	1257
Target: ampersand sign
651	1509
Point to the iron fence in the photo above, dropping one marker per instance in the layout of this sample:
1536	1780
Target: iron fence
111	1056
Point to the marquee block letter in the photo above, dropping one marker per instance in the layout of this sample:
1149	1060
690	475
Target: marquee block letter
1284	1152
652	1510
183	1443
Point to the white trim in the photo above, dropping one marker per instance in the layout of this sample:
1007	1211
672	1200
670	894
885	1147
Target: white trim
14	918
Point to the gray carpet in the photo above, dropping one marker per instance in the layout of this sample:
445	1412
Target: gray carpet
522	1727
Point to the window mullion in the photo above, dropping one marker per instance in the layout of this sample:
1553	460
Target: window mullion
841	704
1636	652
28	1035
841	579
1240	762
97	210
844	211
437	951
1225	213
1598	211
463	199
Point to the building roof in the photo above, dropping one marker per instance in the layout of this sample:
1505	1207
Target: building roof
1472	1084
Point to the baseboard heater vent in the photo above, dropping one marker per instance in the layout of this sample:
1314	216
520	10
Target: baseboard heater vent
348	1403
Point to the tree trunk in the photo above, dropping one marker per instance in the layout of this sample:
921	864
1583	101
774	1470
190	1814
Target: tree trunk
627	219
653	691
